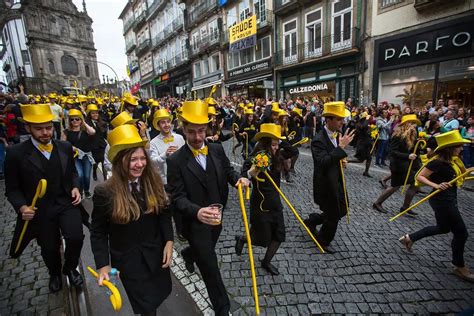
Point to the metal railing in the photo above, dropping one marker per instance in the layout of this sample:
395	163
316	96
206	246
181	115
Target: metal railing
140	19
264	18
167	32
205	42
327	45
198	11
177	60
129	46
143	46
281	3
128	24
156	4
156	41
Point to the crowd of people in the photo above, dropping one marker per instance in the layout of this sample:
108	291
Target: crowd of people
162	161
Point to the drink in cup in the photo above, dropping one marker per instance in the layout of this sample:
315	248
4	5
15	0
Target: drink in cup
218	216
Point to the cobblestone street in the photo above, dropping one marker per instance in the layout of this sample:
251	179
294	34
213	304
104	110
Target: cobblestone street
370	273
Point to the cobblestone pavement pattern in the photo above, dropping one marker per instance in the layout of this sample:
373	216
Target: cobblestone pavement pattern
369	274
24	281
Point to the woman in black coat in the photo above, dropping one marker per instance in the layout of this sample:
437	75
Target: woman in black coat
131	225
401	153
98	140
266	211
364	143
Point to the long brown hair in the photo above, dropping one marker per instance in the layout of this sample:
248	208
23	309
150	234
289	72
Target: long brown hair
125	208
406	133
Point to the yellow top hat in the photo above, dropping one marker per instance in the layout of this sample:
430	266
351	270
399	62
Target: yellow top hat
52	96
150	101
155	103
75	113
211	111
159	115
210	101
36	114
337	109
297	111
241	106
194	112
124	137
248	112
410	118
249	106
99	101
91	107
450	139
275	107
70	101
269	130
282	112
365	115
121	119
130	99
81	98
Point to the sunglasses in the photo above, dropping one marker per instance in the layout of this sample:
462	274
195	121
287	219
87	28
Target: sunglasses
72	119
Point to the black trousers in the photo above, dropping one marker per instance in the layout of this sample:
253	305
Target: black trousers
329	218
202	241
448	219
60	220
57	129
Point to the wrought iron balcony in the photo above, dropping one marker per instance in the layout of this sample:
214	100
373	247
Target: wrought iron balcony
282	5
325	46
157	40
177	60
127	25
129	46
155	7
140	20
199	11
205	42
143	46
161	68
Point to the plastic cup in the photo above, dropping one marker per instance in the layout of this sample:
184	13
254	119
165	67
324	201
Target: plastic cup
218	217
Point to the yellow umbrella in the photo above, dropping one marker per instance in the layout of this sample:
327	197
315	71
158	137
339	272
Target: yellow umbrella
115	298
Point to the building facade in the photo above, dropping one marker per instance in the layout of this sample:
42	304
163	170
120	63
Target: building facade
422	50
317	48
50	45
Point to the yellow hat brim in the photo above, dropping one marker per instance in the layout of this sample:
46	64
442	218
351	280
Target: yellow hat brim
159	118
193	119
418	122
453	144
114	150
37	119
267	134
340	115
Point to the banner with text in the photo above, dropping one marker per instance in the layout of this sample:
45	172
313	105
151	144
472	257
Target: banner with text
244	34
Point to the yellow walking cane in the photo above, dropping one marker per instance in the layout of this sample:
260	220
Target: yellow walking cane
115	298
249	244
291	135
246	145
40	192
468	171
235	128
345	191
420	141
294	212
302	141
375	142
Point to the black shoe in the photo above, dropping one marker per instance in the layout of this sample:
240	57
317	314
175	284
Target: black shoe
55	283
378	208
239	245
329	250
410	212
366	174
270	268
311	226
382	183
74	277
187	262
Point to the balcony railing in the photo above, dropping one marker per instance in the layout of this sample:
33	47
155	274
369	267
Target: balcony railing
199	11
281	3
129	46
205	42
177	60
155	6
143	46
127	25
264	18
141	18
156	41
319	48
161	68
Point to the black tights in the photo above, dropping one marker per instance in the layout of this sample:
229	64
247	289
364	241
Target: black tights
271	251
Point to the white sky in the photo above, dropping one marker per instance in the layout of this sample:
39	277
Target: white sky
108	37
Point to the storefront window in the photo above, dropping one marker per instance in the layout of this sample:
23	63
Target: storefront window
309	77
327	74
289	81
456	81
413	84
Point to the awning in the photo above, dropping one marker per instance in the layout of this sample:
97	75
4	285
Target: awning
206	85
247	81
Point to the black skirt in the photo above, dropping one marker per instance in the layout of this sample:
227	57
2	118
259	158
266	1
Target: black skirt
267	226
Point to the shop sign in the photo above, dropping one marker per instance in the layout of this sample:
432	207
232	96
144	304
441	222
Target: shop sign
244	34
250	68
311	88
268	84
156	81
440	42
165	77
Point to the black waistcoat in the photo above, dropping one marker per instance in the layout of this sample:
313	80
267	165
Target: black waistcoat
53	174
212	183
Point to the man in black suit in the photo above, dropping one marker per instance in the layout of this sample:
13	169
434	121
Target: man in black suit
198	176
58	212
327	149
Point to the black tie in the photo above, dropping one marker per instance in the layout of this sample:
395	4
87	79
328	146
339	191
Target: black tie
135	193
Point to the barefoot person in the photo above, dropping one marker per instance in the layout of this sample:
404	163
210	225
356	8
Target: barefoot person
266	211
198	176
131	224
437	174
327	148
57	213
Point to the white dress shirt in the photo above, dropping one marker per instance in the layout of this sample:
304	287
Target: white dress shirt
46	154
330	133
158	149
200	159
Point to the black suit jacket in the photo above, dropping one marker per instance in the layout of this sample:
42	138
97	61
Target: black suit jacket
187	183
23	171
327	181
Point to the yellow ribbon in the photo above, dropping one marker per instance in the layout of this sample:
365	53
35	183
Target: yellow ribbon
45	147
202	151
168	140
